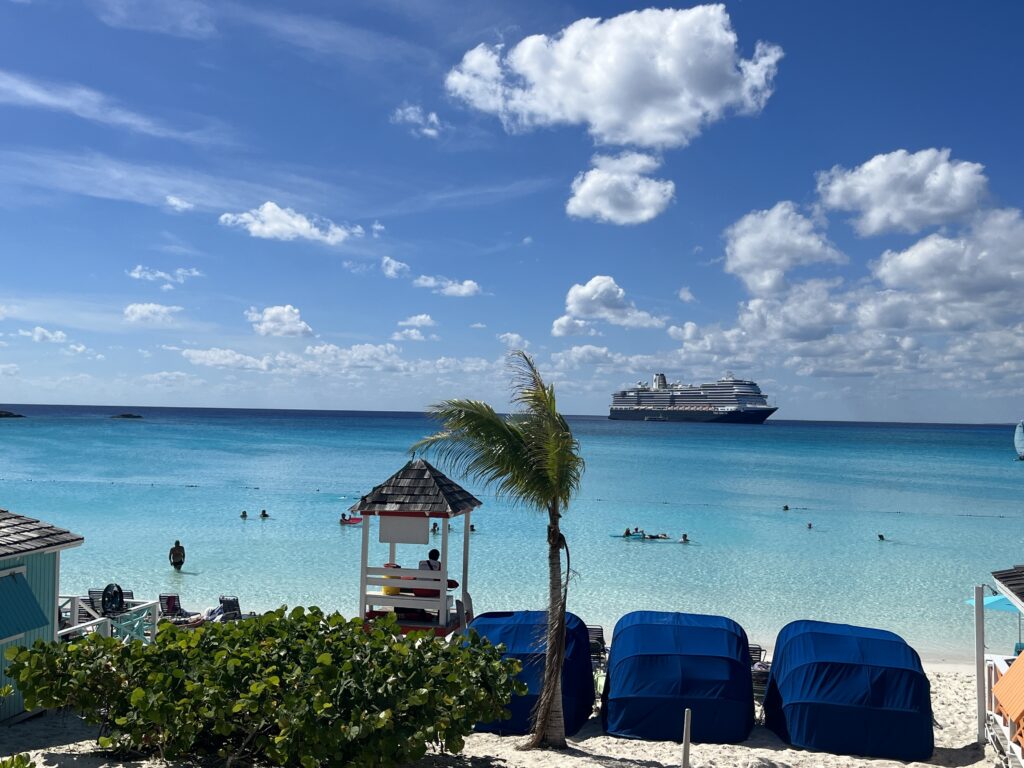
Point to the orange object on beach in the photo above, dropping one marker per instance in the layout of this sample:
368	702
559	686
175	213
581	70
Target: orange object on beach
1008	692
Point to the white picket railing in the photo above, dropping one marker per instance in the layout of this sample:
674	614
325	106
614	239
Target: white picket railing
137	622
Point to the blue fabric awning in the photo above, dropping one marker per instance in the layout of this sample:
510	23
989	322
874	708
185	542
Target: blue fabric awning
523	634
661	664
849	691
19	611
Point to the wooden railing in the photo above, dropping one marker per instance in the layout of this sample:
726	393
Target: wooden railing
407	579
137	622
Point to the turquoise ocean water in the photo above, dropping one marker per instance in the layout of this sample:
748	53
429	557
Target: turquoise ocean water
947	498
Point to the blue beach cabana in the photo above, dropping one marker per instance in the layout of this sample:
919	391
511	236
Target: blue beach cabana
523	633
660	664
29	586
849	691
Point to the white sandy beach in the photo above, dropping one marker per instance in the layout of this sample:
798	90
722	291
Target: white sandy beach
64	741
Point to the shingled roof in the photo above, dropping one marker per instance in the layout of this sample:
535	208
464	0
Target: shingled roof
417	487
21	535
1012	579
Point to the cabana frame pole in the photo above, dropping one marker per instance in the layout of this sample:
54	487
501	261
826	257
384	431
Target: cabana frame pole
979	657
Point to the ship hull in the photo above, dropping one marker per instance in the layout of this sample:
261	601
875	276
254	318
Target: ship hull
730	417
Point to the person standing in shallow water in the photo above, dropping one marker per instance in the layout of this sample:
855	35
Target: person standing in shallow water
177	555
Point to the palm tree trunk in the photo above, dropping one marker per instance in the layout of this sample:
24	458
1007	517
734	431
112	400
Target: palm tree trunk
549	724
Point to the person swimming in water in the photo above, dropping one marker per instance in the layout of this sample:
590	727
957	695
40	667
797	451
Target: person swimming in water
244	515
809	526
434	528
627	534
785	507
472	528
881	537
684	539
263	514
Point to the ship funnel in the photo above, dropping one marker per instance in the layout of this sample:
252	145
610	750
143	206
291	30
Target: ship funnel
660	382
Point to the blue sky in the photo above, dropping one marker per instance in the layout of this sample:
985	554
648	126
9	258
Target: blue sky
363	205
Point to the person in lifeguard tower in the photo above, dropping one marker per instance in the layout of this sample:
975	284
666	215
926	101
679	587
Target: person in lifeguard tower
433	561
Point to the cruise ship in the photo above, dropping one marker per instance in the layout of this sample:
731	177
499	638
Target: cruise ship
729	400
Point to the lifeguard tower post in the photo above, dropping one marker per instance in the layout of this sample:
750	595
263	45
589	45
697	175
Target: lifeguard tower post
405	505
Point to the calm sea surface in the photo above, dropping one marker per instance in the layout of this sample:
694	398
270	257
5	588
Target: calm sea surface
947	498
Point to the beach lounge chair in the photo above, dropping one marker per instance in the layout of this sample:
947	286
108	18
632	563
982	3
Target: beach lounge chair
230	607
598	647
756	654
171	610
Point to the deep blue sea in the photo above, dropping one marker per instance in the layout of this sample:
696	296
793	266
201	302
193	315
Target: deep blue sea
947	498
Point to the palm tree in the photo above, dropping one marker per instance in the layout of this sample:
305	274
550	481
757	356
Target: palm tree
531	458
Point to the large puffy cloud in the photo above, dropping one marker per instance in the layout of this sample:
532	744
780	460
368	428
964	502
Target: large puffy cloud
651	78
900	191
513	340
418	321
601	299
572	326
272	222
617	191
584	355
808	312
151	314
283	320
763	246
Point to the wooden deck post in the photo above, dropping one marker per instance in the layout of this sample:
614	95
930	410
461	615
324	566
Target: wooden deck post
465	558
442	613
363	560
979	657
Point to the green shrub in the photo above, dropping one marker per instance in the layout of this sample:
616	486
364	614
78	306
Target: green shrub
293	689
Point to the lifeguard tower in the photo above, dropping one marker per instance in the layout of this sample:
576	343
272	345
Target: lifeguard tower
406	505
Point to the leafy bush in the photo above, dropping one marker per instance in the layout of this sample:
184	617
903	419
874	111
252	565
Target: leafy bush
294	689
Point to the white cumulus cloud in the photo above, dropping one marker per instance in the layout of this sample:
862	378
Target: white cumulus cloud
216	357
151	314
409	334
601	298
39	333
418	321
903	191
650	78
513	340
283	320
392	268
446	287
763	246
617	191
420	122
686	295
571	326
272	222
178	276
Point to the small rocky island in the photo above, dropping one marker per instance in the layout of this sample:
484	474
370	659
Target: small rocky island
10	415
126	416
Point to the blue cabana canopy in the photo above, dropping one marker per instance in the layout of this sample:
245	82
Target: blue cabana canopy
523	633
849	691
662	663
